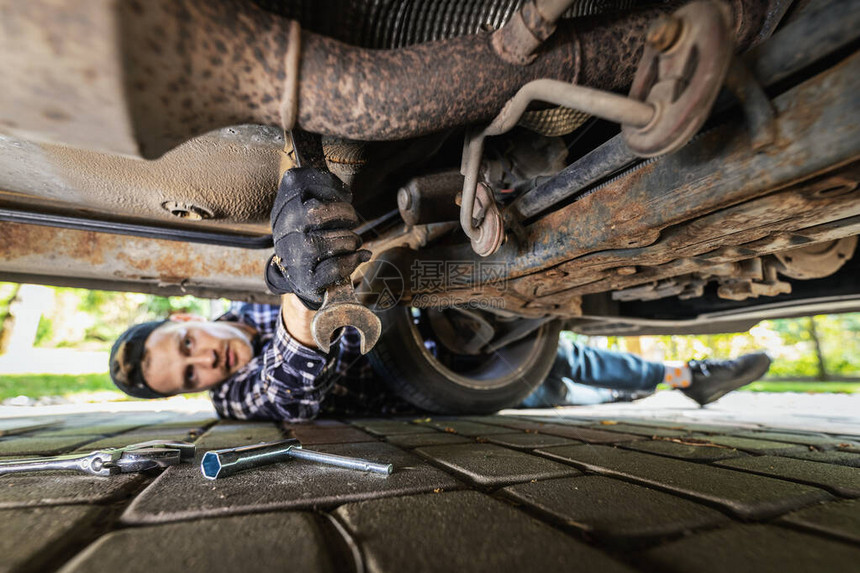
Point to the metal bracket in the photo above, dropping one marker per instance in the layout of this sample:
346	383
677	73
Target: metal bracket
757	108
681	73
683	67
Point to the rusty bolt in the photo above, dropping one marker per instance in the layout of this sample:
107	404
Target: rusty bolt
404	200
664	33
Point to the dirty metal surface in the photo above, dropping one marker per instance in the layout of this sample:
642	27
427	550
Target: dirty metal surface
772	224
230	173
633	218
462	80
79	258
138	78
135	77
682	71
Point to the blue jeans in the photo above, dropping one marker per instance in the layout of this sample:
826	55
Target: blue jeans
584	375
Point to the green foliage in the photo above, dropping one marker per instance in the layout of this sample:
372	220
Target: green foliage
160	306
92	319
7	293
38	385
45	331
804	386
789	341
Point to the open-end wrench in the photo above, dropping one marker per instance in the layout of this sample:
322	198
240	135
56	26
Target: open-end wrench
340	306
109	461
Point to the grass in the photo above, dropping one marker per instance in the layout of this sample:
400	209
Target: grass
38	385
804	386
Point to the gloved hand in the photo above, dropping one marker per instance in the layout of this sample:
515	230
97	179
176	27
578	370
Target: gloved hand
311	226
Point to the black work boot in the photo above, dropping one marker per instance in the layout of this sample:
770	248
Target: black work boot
712	379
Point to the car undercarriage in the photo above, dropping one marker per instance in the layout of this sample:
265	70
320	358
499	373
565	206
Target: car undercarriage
611	167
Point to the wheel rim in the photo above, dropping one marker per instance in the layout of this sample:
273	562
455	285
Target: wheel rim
494	371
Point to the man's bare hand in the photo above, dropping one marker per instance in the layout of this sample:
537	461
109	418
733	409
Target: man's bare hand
297	318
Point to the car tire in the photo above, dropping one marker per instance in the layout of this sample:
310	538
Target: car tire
482	385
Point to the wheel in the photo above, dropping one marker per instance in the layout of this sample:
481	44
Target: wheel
418	362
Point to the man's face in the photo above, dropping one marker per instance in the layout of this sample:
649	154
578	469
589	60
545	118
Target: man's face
194	355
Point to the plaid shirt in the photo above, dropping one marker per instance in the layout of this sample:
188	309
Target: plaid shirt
286	380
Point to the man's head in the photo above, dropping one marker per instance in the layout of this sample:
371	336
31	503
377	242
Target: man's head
182	354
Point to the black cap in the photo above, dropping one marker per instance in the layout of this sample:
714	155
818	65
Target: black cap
125	358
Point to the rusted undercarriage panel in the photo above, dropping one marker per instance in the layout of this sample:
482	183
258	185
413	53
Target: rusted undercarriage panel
139	77
37	254
712	202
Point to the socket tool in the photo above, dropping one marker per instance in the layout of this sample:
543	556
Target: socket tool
109	461
222	463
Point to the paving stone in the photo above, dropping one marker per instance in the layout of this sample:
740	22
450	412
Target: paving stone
323	422
135	437
18	426
234	434
840	519
434	438
753	548
589	435
193	427
705	428
510	422
643	430
246	543
529	441
807	438
684	451
32	537
462	531
838	479
181	492
102	430
752	445
831	457
664	424
200	420
559	419
848	447
311	436
471	429
61	488
390	428
746	495
490	465
16	446
610	509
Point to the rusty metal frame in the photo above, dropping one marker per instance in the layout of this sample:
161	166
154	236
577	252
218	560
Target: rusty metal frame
598	242
70	257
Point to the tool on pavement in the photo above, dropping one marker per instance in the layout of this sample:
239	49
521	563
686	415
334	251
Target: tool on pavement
109	461
222	463
340	306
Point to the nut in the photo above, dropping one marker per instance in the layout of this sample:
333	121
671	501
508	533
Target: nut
664	33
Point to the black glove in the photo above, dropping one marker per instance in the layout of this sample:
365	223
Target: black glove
314	245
